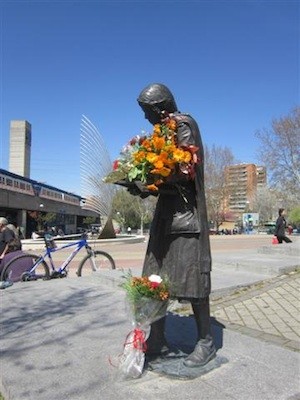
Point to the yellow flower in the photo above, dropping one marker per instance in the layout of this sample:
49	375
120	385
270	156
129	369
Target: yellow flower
187	156
151	157
139	156
157	128
178	155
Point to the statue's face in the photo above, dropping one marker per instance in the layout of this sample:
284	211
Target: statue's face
152	116
155	99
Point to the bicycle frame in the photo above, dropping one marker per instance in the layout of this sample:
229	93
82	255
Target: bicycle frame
48	253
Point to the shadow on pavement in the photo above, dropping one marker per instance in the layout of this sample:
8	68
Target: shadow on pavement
181	332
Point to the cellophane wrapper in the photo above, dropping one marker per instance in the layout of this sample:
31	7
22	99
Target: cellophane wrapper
144	313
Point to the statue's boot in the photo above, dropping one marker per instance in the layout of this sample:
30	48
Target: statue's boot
205	349
156	342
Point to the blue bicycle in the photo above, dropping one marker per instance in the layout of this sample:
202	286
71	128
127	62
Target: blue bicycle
28	267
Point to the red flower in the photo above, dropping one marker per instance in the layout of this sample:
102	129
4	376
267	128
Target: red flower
115	164
154	285
141	139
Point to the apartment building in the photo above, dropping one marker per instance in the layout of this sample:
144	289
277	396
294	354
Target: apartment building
242	182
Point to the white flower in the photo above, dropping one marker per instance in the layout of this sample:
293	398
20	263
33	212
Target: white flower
155	278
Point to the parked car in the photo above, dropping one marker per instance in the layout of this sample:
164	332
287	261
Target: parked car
268	228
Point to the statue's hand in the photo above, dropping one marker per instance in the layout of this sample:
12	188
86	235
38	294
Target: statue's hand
140	189
134	190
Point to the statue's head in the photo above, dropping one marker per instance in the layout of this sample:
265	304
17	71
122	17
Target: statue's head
155	99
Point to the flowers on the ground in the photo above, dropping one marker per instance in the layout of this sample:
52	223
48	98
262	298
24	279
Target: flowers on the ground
153	159
151	287
148	300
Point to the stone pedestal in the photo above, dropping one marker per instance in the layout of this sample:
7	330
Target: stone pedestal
172	366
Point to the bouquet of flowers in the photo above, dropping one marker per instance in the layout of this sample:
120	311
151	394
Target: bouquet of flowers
148	300
153	159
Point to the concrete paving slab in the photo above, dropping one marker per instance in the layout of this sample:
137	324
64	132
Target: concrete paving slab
258	263
60	340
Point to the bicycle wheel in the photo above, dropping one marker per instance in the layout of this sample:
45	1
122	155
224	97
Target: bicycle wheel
95	262
25	267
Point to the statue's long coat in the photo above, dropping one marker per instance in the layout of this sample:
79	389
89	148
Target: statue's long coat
179	246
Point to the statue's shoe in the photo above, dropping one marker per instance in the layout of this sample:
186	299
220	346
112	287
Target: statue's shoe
204	352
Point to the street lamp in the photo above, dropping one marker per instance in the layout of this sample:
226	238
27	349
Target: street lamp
247	206
40	217
121	220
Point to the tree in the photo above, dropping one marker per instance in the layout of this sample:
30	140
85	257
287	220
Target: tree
132	211
265	204
145	210
122	207
87	221
280	152
216	159
41	218
294	216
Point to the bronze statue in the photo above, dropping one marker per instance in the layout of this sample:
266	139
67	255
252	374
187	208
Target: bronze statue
179	246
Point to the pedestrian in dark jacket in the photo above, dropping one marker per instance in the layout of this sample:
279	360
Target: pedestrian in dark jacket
280	227
179	246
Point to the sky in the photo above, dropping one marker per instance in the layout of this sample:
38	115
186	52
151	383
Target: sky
233	65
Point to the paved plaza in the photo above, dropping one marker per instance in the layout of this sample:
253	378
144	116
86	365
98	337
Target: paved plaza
61	339
269	310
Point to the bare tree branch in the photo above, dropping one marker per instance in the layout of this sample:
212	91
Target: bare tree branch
216	159
280	152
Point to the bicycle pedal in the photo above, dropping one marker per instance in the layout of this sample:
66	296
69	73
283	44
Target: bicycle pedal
57	274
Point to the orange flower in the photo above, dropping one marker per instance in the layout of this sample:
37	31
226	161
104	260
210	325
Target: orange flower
158	142
159	164
152	159
171	124
152	187
164	295
147	144
164	171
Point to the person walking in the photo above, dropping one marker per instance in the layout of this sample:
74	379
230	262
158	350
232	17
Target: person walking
179	246
280	227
